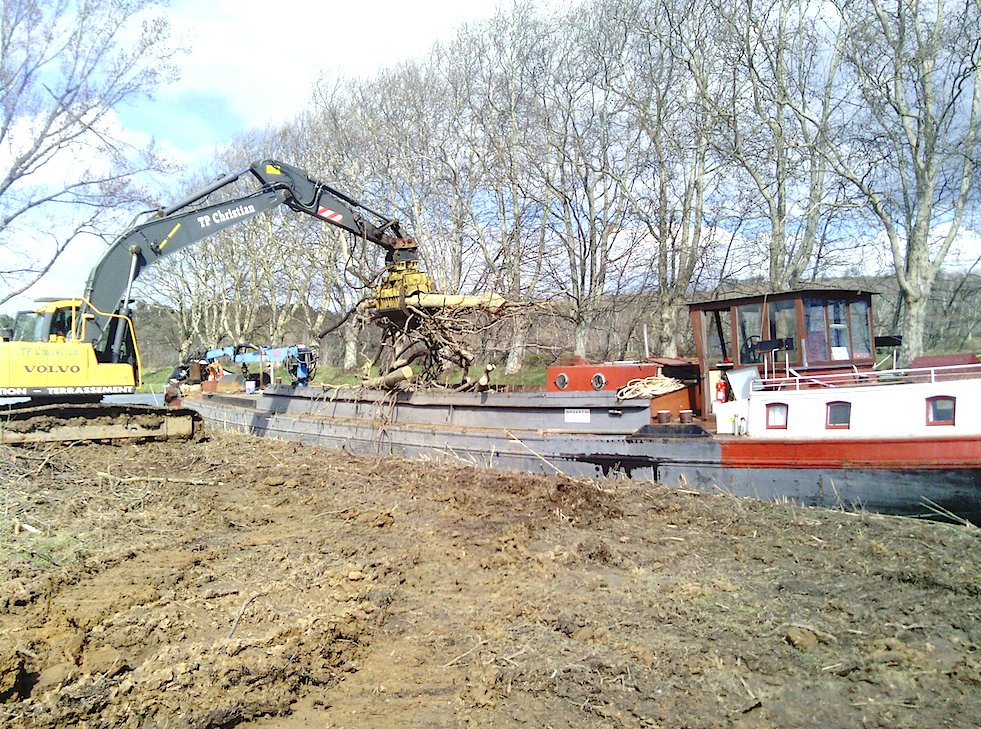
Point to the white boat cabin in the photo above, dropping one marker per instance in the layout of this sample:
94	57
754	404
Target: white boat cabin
802	365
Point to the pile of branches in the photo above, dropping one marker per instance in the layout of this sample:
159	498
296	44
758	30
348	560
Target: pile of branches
433	342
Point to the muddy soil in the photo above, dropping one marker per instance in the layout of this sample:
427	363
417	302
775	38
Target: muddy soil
248	583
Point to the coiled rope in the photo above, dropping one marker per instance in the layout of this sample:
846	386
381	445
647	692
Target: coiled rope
648	387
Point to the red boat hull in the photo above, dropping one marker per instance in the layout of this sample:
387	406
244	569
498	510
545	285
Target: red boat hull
886	453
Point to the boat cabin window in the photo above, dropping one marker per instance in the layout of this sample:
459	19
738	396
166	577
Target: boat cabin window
816	325
783	324
819	329
839	415
837	330
940	410
749	329
718	331
861	331
776	416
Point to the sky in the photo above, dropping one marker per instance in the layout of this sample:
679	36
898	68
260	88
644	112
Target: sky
250	66
254	64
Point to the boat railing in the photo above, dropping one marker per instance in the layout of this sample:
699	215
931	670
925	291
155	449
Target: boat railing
865	378
805	380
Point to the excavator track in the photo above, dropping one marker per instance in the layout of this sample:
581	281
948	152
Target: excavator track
98	422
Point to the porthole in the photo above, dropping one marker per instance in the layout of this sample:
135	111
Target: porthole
562	380
598	381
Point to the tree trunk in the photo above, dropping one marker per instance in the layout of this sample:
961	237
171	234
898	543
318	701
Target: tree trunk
915	327
666	328
516	350
349	337
582	339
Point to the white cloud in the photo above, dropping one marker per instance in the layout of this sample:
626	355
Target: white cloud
251	65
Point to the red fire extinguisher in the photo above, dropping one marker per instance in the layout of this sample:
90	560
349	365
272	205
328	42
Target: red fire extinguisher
721	391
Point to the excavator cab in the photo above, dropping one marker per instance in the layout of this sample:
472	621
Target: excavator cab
49	357
54	320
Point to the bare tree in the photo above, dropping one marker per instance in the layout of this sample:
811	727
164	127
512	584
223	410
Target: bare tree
64	67
618	156
497	69
770	103
186	285
301	275
667	195
587	148
353	160
913	151
238	271
396	163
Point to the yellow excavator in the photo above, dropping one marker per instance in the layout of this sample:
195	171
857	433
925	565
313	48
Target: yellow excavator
62	358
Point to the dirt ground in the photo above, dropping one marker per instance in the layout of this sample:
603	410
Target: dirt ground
248	583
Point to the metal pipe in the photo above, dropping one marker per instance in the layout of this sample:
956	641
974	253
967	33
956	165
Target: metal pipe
120	330
195	196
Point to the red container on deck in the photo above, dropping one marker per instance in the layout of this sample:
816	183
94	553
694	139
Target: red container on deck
585	377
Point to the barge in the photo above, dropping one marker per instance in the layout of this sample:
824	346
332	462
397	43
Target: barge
784	400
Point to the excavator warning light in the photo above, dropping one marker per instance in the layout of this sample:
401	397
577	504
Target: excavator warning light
273	170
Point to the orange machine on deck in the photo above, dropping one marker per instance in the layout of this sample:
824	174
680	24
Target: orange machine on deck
582	376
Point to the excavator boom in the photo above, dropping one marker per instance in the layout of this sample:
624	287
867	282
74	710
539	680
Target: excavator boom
182	224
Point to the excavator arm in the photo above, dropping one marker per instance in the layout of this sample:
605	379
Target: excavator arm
69	353
184	223
306	195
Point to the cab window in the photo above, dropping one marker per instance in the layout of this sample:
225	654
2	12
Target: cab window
61	323
783	324
28	326
749	327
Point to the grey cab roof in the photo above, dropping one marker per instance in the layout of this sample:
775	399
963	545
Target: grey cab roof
815	293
